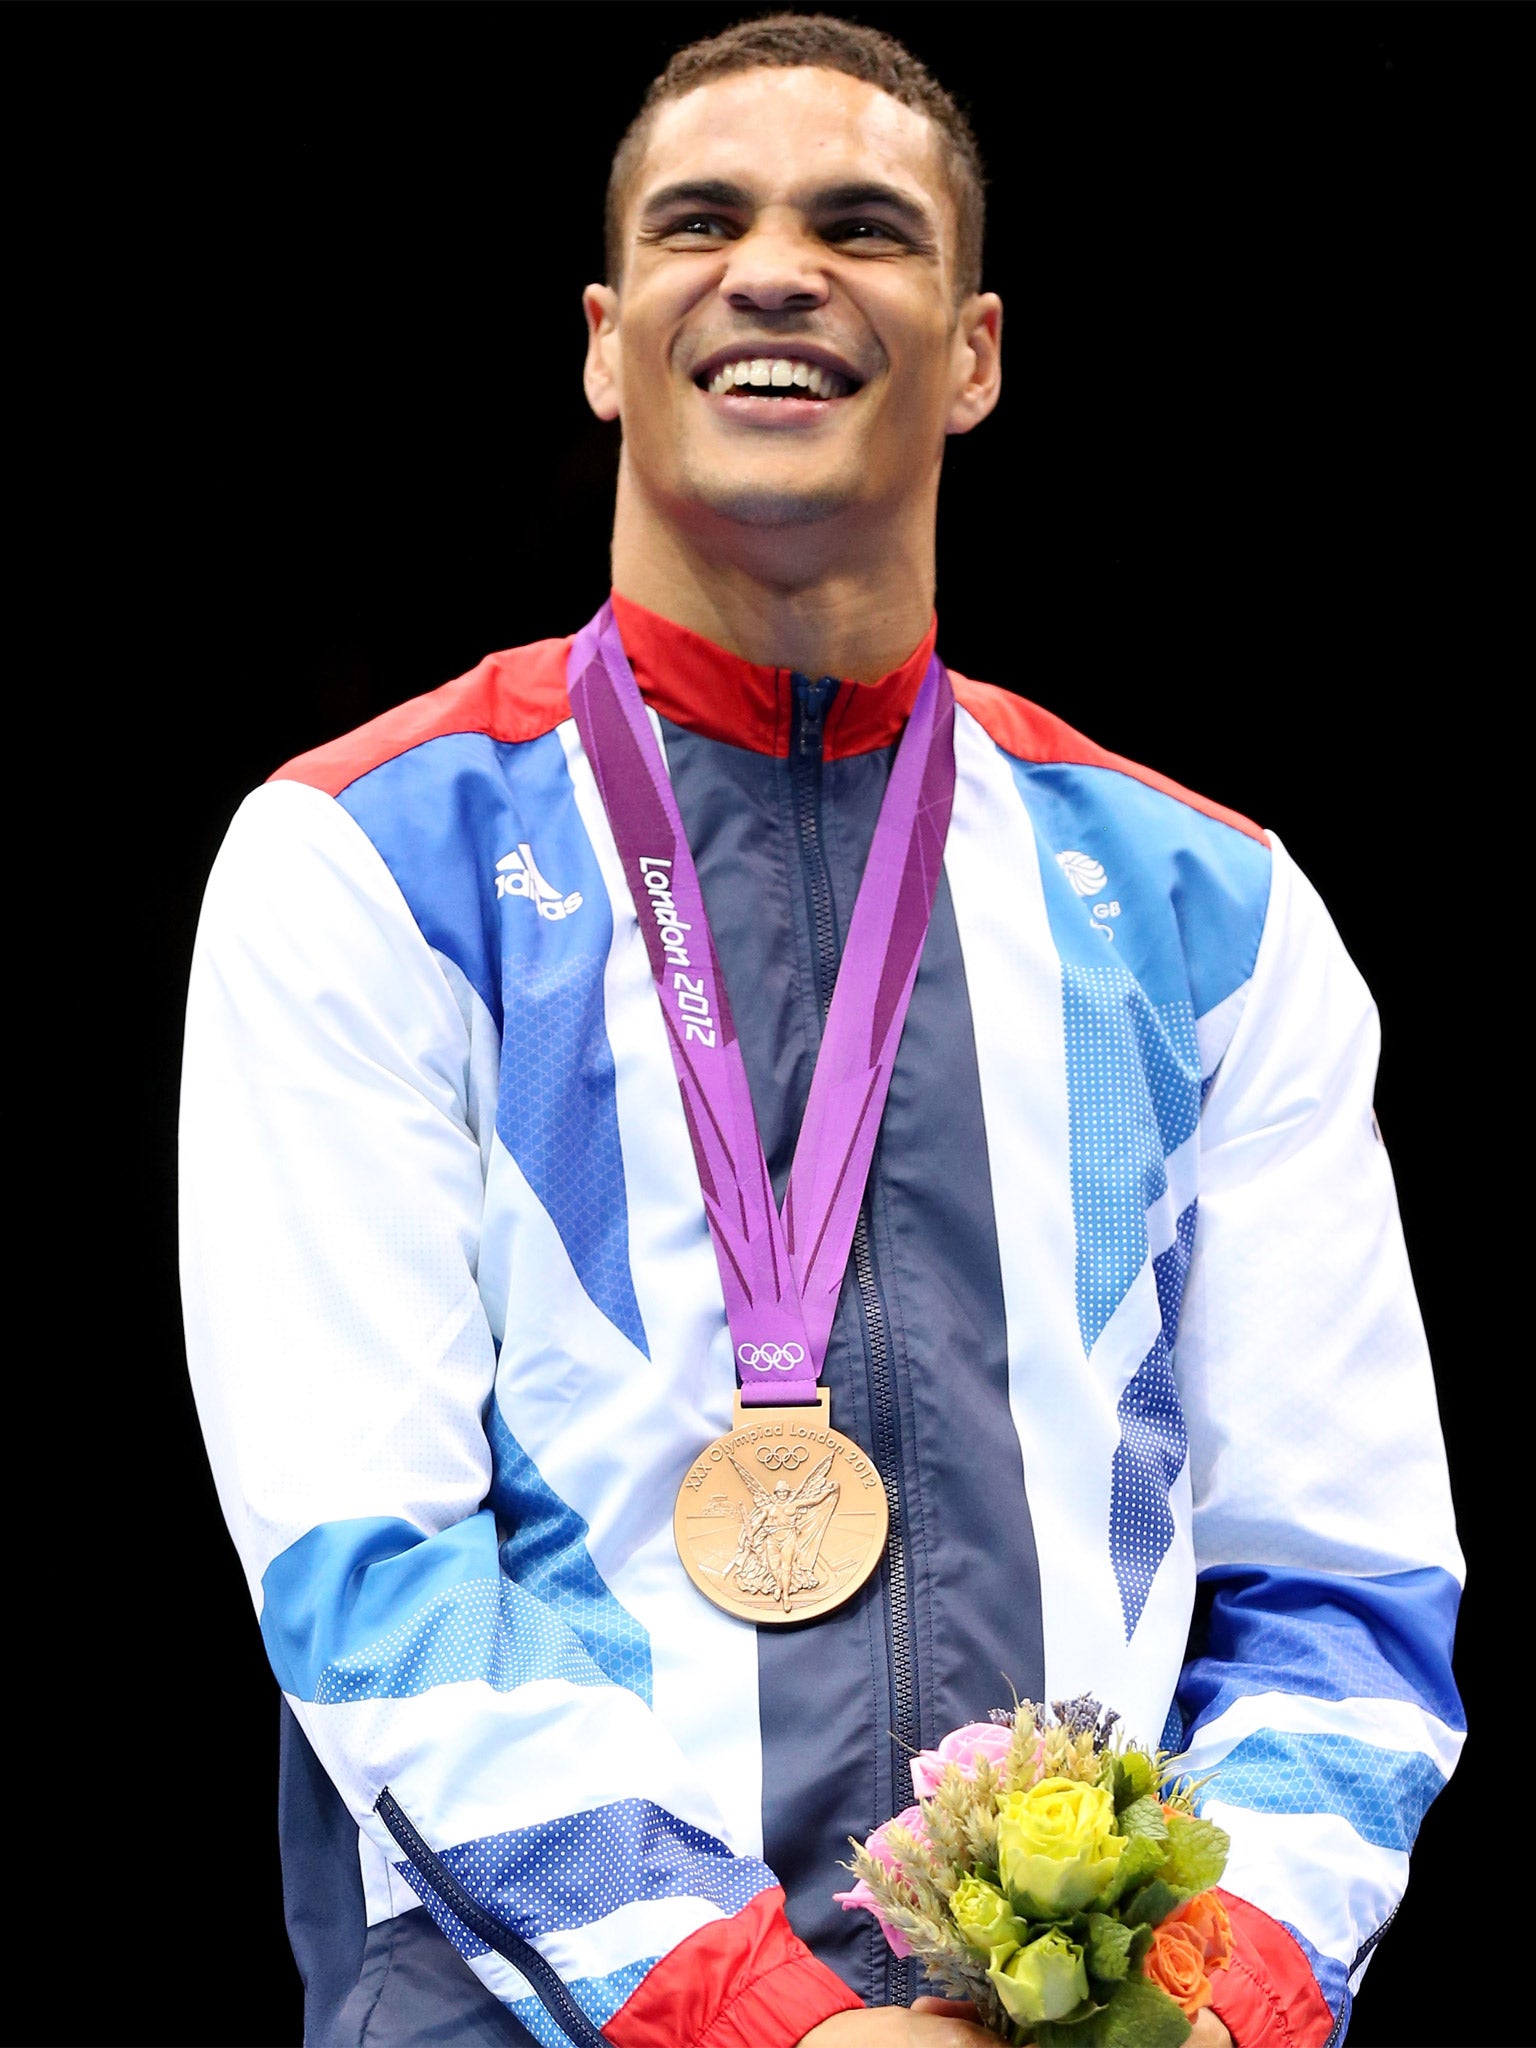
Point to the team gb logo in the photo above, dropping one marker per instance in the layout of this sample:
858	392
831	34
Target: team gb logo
1084	873
1088	878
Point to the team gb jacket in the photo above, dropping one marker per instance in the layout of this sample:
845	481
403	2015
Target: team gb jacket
1128	1328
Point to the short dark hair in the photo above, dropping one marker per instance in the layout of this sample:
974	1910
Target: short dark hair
785	42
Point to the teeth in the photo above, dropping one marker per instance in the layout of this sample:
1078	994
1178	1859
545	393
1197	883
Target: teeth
777	373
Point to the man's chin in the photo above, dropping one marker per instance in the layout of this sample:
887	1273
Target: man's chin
769	501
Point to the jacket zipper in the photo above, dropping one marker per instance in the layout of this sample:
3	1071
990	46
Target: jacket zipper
812	700
1347	2001
522	1955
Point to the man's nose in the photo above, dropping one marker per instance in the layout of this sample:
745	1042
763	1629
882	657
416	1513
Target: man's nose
775	268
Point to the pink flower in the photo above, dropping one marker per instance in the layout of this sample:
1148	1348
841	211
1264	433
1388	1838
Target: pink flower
862	1896
879	1845
977	1742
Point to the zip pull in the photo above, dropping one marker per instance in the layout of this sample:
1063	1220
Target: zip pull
813	701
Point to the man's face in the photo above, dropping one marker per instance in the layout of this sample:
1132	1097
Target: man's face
786	343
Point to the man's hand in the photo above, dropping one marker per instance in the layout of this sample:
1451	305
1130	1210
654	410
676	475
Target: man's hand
943	2023
931	2023
1208	2032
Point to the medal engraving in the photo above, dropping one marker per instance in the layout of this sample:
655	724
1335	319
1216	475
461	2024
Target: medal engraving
783	1519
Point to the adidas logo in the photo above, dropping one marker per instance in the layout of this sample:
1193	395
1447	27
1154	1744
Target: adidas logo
517	874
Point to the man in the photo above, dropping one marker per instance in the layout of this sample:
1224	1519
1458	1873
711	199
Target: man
457	1263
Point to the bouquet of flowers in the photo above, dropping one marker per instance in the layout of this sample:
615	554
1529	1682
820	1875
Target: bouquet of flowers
1057	1877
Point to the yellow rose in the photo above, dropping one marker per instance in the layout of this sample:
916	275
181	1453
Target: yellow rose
1056	1847
984	1916
1043	1981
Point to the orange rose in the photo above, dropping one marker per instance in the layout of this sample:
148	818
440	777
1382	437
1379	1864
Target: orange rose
1206	1917
1176	1964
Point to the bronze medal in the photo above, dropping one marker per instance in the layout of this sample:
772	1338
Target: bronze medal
783	1519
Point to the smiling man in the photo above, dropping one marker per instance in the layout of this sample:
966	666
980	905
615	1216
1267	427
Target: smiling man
745	1194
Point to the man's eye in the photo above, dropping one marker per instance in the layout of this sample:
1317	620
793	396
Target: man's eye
695	224
861	231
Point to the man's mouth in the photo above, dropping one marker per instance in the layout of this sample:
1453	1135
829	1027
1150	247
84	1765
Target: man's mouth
778	377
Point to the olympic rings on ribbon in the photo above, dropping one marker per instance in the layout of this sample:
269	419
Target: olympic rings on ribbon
771	1357
782	1457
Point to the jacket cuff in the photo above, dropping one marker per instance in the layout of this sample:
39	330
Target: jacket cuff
1267	1996
746	1982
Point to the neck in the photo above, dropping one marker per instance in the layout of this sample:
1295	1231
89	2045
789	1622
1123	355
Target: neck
816	597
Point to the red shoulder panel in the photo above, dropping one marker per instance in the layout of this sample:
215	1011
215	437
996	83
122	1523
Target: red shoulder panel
1030	734
516	695
1267	1996
745	1982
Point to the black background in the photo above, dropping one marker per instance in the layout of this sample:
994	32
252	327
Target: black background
303	435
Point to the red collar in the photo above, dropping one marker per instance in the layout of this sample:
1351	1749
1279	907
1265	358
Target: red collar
696	684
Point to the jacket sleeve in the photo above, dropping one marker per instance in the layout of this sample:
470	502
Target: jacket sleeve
499	1769
1319	1689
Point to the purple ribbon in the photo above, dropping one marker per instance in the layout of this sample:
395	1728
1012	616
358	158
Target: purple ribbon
781	1275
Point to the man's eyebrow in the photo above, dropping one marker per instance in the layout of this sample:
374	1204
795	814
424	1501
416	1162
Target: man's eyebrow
871	192
826	199
696	192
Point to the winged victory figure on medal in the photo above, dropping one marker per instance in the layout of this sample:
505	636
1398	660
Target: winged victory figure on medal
781	1537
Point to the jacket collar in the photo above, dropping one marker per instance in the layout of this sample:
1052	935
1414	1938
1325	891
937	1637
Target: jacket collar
690	681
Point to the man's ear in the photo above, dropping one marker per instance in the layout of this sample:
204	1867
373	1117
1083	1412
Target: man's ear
600	374
979	362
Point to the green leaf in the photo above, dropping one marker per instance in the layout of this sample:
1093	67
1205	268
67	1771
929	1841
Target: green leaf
1141	2016
1197	1853
1079	2013
1143	1816
1153	1903
1107	1951
1141	1858
1141	1941
1134	1778
1086	2031
1137	2016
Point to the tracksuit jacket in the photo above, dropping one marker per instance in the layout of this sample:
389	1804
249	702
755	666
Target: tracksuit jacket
1127	1326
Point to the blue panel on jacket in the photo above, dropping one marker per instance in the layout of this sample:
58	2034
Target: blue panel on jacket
544	1548
1382	1793
374	1609
1332	1979
1156	911
489	850
598	1997
1133	1094
584	1866
1191	891
1153	1442
1325	1636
